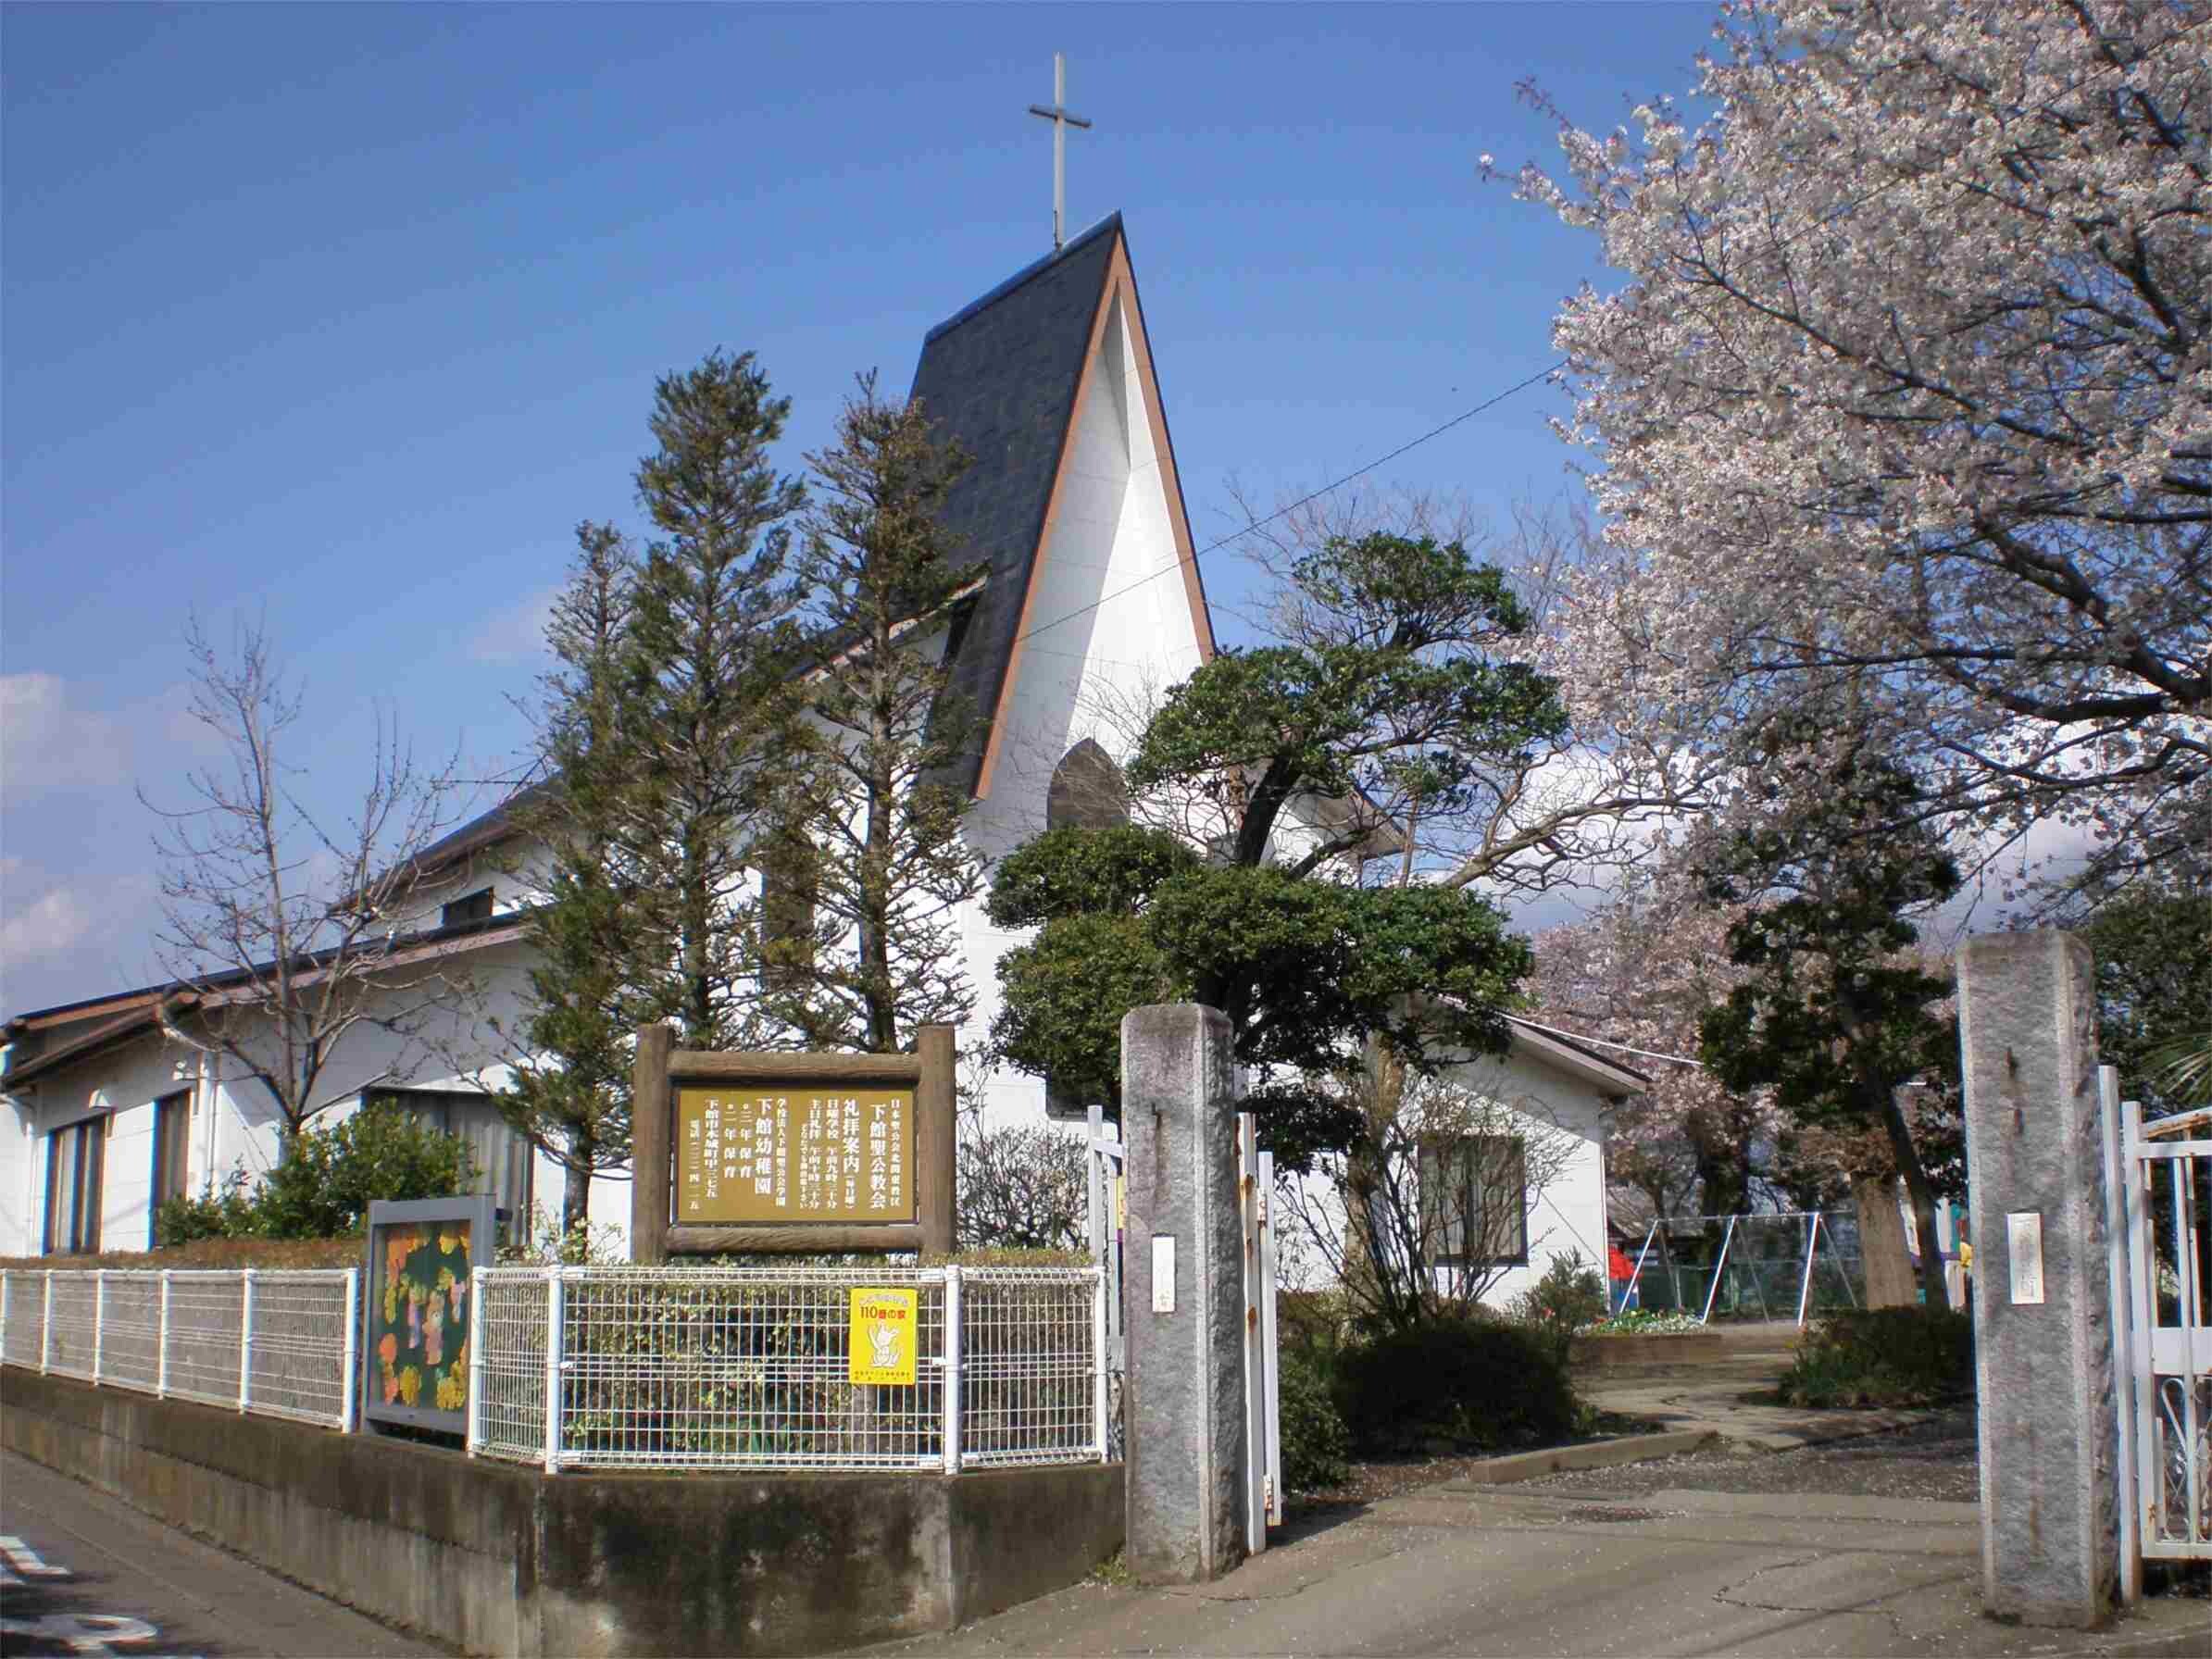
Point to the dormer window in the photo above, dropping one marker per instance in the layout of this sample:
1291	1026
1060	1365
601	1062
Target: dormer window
475	908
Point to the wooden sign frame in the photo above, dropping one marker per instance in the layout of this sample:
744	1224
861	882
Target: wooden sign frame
661	1068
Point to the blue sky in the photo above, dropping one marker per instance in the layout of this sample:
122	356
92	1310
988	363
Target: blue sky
345	316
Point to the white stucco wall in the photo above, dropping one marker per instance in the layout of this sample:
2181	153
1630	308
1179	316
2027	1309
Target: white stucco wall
1568	1214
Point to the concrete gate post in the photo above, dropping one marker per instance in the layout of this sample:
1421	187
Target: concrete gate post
2042	1310
1183	1395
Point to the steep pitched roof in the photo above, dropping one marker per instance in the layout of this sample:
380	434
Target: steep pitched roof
1004	379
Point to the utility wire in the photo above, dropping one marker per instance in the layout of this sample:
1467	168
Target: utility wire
1411	444
1488	403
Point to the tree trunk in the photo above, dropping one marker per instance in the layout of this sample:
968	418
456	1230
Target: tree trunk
576	1199
1881	1242
1932	1290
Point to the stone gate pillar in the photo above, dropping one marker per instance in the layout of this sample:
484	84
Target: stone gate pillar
1183	1287
2042	1306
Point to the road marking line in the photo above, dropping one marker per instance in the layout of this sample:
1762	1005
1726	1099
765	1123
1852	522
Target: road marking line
24	1559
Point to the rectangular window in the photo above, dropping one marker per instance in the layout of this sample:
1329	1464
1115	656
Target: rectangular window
76	1160
501	1157
473	908
172	1126
1475	1201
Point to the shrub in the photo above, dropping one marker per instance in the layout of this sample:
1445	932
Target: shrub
228	1214
1316	1448
1571	1294
1883	1356
324	1188
1459	1384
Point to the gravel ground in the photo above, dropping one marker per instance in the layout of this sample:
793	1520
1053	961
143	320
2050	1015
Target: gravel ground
1935	1460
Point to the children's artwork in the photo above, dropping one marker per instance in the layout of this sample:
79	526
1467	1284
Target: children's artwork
417	1312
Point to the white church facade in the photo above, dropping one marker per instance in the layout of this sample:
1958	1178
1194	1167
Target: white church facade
1089	602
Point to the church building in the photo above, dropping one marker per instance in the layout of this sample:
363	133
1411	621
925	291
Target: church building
1090	598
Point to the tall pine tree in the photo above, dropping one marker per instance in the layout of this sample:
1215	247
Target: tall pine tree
717	629
871	815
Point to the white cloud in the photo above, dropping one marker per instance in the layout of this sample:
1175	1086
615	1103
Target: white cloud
44	743
50	925
47	743
518	633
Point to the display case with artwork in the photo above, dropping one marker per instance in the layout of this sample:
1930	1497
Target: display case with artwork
415	1347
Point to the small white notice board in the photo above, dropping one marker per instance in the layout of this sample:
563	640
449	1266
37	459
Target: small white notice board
2024	1252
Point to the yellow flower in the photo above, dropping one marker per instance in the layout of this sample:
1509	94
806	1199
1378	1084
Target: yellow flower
410	1385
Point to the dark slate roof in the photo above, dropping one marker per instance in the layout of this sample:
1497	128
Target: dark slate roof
998	377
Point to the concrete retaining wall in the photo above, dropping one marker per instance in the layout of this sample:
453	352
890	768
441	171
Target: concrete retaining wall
499	1559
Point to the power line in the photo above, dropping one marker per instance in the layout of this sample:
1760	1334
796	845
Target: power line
1411	444
1488	403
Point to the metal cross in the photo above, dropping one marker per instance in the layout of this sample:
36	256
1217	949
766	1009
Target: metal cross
1061	120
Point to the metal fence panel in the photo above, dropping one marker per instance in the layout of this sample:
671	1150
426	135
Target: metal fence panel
24	1324
1029	1367
131	1331
72	1330
298	1346
188	1334
684	1367
205	1311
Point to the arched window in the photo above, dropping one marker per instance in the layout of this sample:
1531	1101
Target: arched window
1087	791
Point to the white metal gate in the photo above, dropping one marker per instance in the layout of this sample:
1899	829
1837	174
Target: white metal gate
2166	1231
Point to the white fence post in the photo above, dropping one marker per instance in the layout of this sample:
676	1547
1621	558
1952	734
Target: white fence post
476	1360
555	1309
349	1388
2116	1266
952	1370
162	1352
99	1320
46	1326
245	1340
1100	1406
1269	1342
1719	1267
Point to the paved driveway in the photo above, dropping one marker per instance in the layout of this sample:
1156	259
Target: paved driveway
1489	1570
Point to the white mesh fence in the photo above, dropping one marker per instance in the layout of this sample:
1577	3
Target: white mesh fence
280	1342
683	1368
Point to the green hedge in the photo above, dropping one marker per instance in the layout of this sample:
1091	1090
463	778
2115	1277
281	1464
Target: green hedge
1883	1356
1466	1385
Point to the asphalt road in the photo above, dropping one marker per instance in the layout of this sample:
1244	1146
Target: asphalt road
84	1574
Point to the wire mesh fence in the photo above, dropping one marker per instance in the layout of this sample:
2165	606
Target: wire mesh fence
276	1341
683	1368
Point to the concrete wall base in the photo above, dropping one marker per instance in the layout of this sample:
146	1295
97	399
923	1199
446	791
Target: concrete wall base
499	1559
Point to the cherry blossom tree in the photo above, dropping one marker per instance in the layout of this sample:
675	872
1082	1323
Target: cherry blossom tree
1910	386
1640	972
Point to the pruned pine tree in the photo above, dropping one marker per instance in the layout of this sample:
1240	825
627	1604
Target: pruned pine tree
717	631
570	1077
867	946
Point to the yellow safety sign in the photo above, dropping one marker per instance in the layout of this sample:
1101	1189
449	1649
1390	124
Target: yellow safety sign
885	1336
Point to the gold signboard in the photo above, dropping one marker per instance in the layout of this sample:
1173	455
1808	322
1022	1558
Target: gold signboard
792	1151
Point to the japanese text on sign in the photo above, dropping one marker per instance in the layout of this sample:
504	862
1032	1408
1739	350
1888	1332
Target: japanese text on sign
789	1155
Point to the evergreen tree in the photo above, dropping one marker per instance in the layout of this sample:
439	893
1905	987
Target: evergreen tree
865	942
671	707
1838	1013
717	633
1293	764
569	1081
